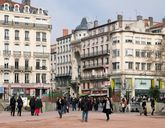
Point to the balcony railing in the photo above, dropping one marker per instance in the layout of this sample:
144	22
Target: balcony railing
6	53
95	54
5	68
96	77
41	68
41	55
64	74
17	53
27	54
94	66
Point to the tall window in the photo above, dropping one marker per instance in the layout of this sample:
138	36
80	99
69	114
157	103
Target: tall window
26	64
44	78
38	36
26	78
26	35
129	52
6	47
44	36
16	34
129	65
137	66
116	65
6	63
158	67
6	34
37	78
16	63
16	78
116	53
6	19
37	64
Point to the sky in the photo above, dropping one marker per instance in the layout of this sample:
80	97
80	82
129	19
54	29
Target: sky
68	13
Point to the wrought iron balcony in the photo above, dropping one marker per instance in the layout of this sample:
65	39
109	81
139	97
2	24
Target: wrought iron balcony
6	53
63	75
95	54
17	53
27	54
41	55
6	68
94	66
95	77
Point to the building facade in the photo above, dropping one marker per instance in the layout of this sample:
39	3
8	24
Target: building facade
24	49
63	62
124	55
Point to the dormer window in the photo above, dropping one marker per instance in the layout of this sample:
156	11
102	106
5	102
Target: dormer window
26	9
6	6
16	8
40	11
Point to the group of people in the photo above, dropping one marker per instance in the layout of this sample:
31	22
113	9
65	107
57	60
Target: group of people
35	105
84	104
13	106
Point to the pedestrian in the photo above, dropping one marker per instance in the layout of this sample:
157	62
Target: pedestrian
19	105
60	105
85	107
32	105
152	105
107	107
37	106
144	108
12	105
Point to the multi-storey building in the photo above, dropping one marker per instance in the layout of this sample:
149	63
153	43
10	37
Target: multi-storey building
63	61
122	54
25	48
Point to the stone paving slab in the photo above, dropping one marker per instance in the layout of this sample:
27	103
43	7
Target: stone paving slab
73	120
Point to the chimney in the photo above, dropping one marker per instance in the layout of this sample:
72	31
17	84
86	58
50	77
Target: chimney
151	20
95	23
119	17
65	32
146	22
139	18
163	22
26	2
109	21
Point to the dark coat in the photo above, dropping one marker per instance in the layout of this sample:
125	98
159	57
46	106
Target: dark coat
85	105
20	102
32	102
109	111
59	104
12	102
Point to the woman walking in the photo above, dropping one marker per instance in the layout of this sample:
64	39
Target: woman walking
19	105
107	107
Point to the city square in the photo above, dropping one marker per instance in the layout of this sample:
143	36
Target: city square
73	120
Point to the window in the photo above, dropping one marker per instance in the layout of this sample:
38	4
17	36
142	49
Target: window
38	36
6	47
26	9
116	53
6	34
44	78
26	35
137	53
43	64
16	63
6	77
143	54
137	66
16	78
129	65
148	66
158	67
16	8
149	53
37	64
44	37
26	78
157	54
6	19
143	66
26	64
37	78
129	52
16	34
116	65
6	7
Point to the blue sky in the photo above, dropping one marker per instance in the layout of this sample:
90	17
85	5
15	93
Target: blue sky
68	13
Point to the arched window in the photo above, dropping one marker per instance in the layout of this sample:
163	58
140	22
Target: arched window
40	11
26	9
16	8
6	6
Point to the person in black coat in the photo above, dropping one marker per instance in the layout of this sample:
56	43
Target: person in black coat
32	105
107	107
85	107
12	105
60	104
19	106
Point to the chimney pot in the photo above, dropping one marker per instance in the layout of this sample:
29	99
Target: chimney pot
65	32
95	23
139	18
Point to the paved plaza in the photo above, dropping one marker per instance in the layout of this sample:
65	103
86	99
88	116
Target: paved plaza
73	120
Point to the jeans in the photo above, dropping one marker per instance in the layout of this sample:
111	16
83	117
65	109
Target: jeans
85	116
60	112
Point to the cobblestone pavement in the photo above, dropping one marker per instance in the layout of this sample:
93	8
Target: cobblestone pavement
73	120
